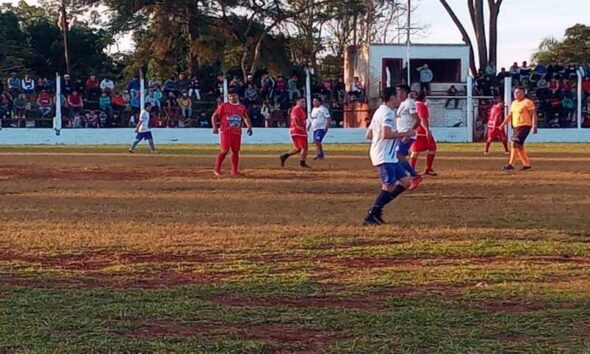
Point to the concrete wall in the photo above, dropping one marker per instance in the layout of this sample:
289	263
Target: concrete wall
261	136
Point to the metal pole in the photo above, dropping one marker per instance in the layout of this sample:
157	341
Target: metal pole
469	109
58	114
308	90
408	54
507	98
141	91
580	98
225	88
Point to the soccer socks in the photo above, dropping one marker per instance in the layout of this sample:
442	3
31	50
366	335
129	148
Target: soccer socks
219	162
413	162
406	165
135	143
386	197
505	143
488	144
152	146
524	157
429	161
235	162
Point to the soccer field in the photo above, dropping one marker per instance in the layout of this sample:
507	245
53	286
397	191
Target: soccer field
102	251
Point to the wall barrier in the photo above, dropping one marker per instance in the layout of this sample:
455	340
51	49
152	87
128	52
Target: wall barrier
124	136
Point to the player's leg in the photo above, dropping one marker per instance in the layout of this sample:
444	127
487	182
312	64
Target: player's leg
318	137
225	146
395	181
138	139
303	145
414	159
294	151
430	156
150	140
236	145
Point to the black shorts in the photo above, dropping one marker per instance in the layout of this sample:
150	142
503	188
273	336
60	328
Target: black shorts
520	134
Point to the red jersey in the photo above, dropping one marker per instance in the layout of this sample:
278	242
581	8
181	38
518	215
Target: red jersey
495	118
298	118
424	115
232	117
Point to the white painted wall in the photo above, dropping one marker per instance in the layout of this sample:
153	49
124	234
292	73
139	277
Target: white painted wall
13	136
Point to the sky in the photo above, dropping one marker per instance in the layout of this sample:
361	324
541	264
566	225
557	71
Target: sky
522	24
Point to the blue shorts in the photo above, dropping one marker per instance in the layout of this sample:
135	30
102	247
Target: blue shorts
318	135
144	136
390	173
404	148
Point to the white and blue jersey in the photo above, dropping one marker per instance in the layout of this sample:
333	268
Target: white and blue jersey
384	151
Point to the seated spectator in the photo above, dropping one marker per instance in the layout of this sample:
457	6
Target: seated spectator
118	102
250	95
564	85
540	68
194	88
28	85
571	72
340	88
265	112
14	84
554	86
490	70
79	121
102	119
293	88
5	105
186	106
586	87
149	98
525	71
135	101
452	91
20	106
132	122
182	84
92	88
45	103
356	89
105	104
127	99
75	103
170	87
155	82
171	106
39	86
107	85
91	119
515	72
158	95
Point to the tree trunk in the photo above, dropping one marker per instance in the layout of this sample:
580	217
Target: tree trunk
477	20
65	29
494	6
464	33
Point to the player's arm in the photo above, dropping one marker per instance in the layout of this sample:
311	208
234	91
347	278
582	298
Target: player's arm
214	118
248	122
390	134
505	122
328	120
369	133
535	121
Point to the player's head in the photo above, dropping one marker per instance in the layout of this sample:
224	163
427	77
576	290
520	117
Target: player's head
317	101
403	91
413	94
519	93
148	106
300	102
420	96
499	100
233	97
389	97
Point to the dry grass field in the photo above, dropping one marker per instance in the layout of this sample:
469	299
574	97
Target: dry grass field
105	252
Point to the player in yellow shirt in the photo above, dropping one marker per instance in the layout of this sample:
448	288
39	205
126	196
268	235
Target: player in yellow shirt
524	120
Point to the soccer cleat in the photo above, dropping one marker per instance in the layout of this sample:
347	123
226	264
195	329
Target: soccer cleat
526	168
238	174
508	168
430	173
131	151
506	153
415	183
283	159
217	173
486	153
303	164
378	215
371	220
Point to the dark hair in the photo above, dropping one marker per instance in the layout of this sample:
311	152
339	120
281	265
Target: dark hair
421	96
404	88
232	92
519	88
387	93
319	99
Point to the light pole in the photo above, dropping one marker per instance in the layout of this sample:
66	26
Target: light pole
409	29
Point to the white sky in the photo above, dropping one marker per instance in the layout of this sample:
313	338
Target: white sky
522	25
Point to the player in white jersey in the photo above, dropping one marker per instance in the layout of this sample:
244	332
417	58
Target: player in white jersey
319	123
384	140
407	119
143	129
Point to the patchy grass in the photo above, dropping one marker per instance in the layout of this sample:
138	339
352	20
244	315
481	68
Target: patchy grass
106	252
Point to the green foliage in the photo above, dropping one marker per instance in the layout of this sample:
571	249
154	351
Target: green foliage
574	48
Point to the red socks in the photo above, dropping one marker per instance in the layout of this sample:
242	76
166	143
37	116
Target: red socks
235	162
219	162
429	161
413	162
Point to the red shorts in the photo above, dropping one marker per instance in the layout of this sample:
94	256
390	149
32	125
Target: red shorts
299	142
424	143
494	134
231	142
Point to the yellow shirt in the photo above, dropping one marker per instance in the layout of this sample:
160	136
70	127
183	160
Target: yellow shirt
522	113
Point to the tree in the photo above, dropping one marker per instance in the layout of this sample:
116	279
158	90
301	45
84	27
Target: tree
574	48
485	54
14	51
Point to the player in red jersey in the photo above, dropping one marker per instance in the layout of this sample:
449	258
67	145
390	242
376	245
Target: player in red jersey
425	141
298	124
227	121
494	131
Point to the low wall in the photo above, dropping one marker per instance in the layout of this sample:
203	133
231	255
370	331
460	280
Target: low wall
13	136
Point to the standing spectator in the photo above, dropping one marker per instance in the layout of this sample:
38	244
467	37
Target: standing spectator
265	113
356	89
186	106
155	82
426	77
158	96
107	85
135	100
45	103
515	72
14	85
92	88
586	87
134	85
525	71
75	103
118	102
79	121
91	119
292	88
268	87
340	89
281	85
105	104
452	91
182	85
194	88
67	86
28	85
250	95
490	70
502	75
171	107
127	99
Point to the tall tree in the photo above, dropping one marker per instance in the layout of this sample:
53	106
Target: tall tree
574	48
